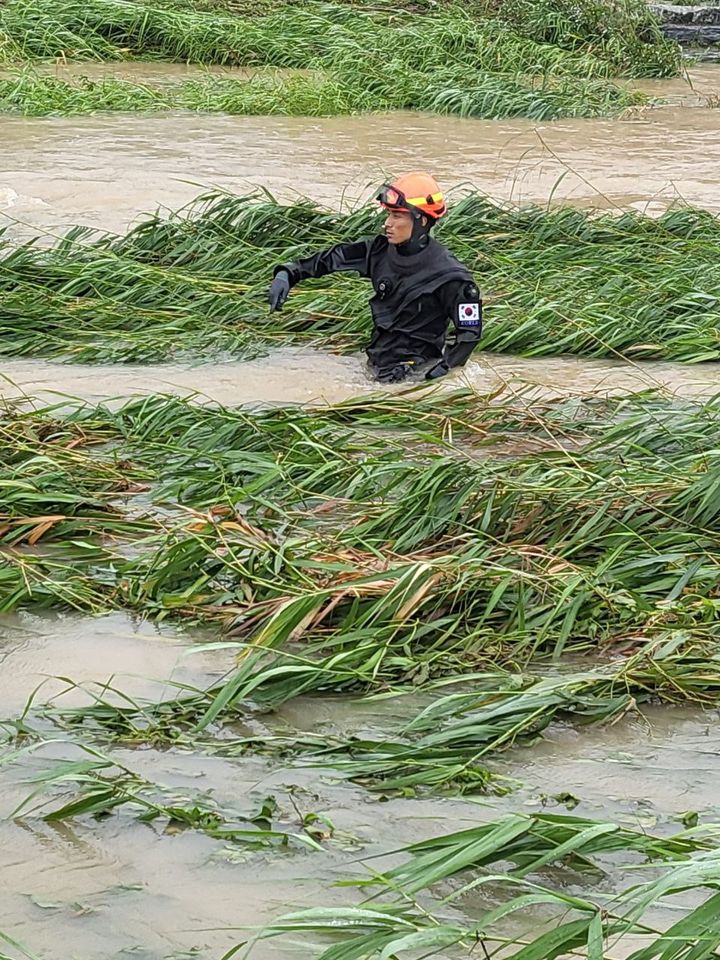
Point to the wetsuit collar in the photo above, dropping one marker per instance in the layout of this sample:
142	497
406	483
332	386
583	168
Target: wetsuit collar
406	262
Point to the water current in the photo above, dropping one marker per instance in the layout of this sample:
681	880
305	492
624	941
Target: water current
106	170
95	890
319	377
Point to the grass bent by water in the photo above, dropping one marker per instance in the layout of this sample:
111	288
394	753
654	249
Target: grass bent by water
335	565
515	58
379	547
193	284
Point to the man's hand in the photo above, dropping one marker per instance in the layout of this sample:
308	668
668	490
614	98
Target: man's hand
279	290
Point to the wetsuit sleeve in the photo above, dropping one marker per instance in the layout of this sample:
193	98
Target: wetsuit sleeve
463	304
342	258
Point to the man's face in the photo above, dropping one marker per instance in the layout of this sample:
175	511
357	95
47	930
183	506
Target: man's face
398	226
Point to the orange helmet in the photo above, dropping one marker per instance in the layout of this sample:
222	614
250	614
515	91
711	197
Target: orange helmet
414	193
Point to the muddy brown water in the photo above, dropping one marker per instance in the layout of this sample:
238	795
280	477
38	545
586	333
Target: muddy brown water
320	377
140	658
107	170
116	888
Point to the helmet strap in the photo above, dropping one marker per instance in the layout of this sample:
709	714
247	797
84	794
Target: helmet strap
420	236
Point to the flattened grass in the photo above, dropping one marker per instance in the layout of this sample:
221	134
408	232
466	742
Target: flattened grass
489	96
263	95
337	565
527	913
480	64
194	284
626	37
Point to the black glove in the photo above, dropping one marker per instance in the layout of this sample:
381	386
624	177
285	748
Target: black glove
396	374
439	370
279	290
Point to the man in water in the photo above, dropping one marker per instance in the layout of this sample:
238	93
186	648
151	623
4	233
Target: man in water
419	286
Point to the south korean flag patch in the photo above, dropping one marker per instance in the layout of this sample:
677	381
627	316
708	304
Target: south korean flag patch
469	315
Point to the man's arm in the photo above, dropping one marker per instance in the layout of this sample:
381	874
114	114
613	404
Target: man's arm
463	304
342	258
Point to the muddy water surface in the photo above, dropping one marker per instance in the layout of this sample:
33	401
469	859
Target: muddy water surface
314	376
140	658
115	888
106	170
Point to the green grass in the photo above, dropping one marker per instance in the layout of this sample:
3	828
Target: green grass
623	35
531	844
395	555
489	63
367	548
193	285
625	32
90	783
309	96
52	485
526	912
451	744
488	96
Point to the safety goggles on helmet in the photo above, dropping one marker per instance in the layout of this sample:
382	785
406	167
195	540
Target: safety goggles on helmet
394	199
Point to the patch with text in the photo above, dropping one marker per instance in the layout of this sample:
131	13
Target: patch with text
469	314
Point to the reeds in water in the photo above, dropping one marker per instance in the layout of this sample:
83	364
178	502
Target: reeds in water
194	285
489	63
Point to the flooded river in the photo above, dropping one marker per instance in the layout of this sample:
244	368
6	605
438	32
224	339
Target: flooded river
116	888
106	170
319	377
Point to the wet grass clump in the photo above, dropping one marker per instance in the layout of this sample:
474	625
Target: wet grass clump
93	783
494	96
477	64
525	872
626	36
368	548
625	33
306	526
32	95
194	284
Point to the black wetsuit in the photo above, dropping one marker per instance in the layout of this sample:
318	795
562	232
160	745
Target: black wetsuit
416	296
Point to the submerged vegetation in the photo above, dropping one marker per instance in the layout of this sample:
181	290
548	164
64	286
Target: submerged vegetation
457	549
103	786
194	284
315	95
494	567
296	525
400	924
511	59
491	566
